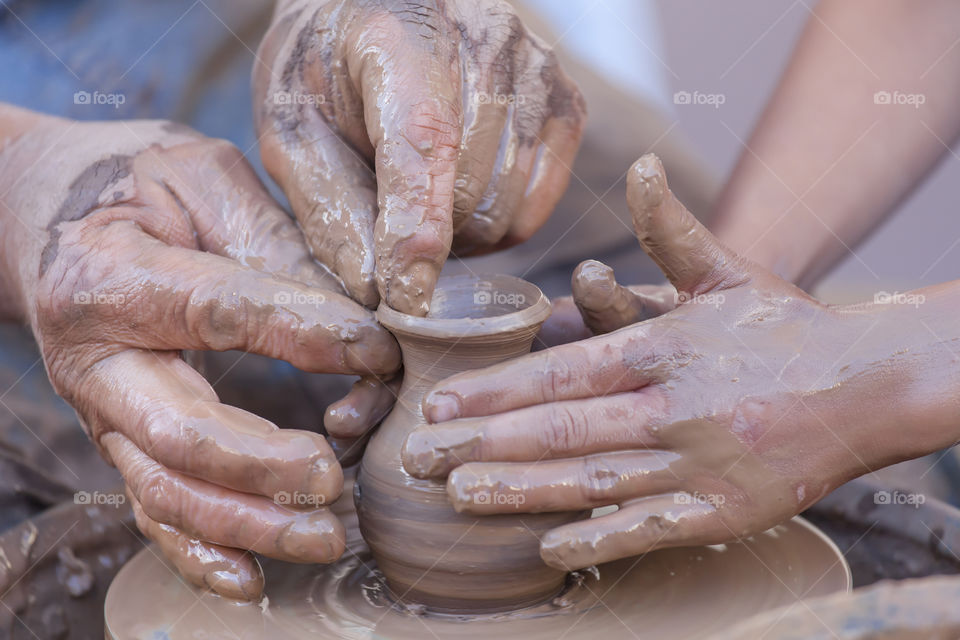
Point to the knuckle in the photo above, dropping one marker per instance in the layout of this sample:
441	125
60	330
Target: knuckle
566	430
160	496
217	320
432	128
559	377
68	285
597	479
153	427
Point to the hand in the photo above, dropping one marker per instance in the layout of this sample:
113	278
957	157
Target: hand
465	116
141	239
716	420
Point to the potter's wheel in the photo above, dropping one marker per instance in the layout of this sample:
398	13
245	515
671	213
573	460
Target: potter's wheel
673	593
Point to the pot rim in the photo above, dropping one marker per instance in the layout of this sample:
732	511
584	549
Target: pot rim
530	316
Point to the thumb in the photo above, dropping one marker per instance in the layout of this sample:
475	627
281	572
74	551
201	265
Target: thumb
690	256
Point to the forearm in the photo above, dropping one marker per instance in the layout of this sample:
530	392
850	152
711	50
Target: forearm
827	162
15	232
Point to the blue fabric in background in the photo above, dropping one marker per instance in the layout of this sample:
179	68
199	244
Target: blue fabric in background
176	59
183	60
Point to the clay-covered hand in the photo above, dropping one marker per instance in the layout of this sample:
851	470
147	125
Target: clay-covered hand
713	421
401	130
128	242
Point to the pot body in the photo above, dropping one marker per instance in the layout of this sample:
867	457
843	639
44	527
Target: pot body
429	553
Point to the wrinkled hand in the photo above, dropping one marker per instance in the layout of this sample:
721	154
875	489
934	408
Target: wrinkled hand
398	130
711	422
147	239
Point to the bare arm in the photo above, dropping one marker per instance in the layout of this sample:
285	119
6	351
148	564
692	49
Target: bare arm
14	122
829	160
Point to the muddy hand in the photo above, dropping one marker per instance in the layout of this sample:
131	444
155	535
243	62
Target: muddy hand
146	239
718	419
399	131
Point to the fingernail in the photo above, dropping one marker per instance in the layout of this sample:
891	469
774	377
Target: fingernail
412	291
645	182
552	554
431	452
556	551
231	585
439	406
324	482
312	537
471	493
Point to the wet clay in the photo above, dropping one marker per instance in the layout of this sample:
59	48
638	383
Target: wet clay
885	611
674	593
430	554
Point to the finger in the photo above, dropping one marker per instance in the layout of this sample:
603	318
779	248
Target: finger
546	432
564	325
489	148
367	403
220	516
173	415
561	485
587	369
231	211
183	299
690	256
485	225
349	451
412	107
559	141
637	527
607	306
232	573
479	167
332	191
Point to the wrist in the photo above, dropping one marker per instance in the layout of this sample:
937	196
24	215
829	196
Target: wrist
903	378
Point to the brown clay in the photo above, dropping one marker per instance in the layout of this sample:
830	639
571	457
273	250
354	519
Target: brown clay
667	594
889	610
429	553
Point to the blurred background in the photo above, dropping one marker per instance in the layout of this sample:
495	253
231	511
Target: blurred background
739	48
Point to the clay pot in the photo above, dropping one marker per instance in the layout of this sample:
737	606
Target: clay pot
428	553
